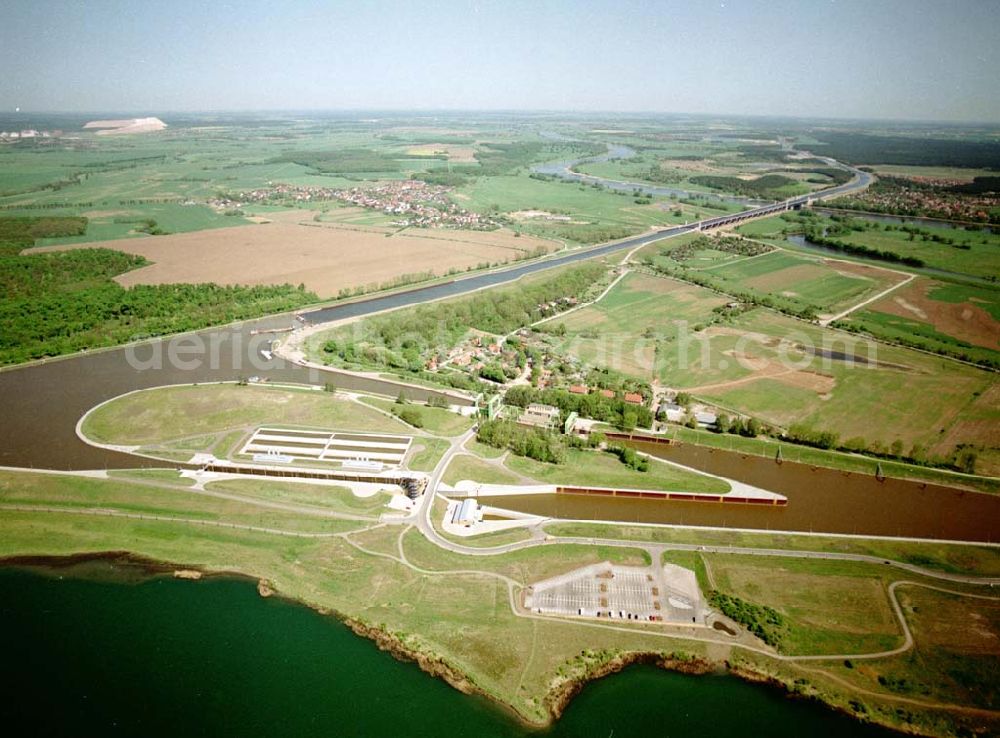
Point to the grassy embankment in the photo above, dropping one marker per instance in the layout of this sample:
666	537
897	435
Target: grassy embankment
465	619
585	468
435	420
176	422
950	558
768	448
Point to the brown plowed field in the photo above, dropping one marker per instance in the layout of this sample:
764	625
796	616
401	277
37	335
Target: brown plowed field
326	259
966	321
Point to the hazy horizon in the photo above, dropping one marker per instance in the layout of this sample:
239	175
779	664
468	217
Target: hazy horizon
888	60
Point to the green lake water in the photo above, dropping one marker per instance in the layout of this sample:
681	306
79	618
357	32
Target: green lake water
99	656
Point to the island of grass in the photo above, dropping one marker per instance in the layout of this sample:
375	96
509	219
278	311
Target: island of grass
177	422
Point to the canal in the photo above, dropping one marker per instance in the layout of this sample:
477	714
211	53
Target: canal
820	500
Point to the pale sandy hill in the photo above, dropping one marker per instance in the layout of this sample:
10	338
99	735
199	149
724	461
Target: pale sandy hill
126	125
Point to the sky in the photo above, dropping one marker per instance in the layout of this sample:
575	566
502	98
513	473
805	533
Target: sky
884	59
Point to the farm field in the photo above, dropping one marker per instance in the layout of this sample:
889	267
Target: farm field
975	253
681	174
755	363
325	259
909	396
964	174
593	215
980	259
829	284
950	315
622	330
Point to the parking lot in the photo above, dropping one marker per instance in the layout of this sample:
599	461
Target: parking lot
620	593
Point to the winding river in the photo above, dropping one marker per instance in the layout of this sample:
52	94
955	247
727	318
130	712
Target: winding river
565	170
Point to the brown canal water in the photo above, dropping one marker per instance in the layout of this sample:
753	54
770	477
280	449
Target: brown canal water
819	500
42	403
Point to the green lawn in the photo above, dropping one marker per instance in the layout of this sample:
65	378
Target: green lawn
957	559
336	499
434	419
163	414
426	452
600	469
477	470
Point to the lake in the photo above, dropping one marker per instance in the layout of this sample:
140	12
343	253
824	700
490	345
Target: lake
102	649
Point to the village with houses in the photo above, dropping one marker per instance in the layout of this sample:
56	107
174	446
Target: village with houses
416	203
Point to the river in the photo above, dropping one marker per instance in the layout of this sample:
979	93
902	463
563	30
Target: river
564	170
908	220
100	650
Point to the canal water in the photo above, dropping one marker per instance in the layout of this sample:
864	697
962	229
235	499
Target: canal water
110	654
820	500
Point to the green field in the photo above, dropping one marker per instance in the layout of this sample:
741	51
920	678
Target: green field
478	470
829	607
337	499
910	396
461	614
426	452
945	317
200	412
599	469
435	420
852	462
975	252
756	363
594	215
813	281
952	558
641	312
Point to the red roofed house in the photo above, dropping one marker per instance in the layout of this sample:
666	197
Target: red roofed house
578	389
633	397
607	393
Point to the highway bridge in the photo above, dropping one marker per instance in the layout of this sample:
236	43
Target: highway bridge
460	286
